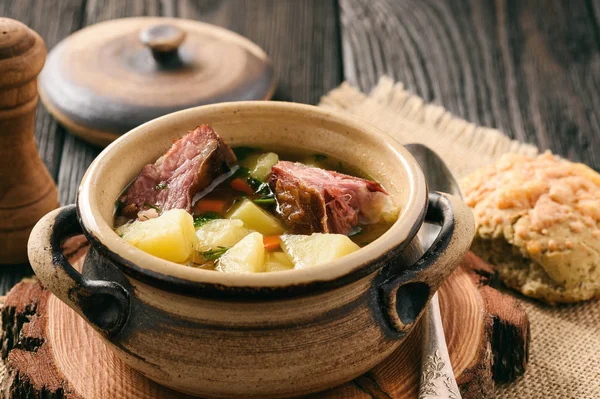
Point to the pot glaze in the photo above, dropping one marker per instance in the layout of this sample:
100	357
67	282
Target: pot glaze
264	335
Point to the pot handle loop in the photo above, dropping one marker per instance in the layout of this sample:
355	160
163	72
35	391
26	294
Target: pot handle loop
104	304
404	296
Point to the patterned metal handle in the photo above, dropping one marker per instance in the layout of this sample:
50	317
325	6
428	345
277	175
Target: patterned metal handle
437	376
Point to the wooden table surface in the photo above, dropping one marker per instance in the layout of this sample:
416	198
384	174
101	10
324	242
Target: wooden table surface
530	68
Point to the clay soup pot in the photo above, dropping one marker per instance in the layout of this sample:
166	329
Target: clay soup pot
261	335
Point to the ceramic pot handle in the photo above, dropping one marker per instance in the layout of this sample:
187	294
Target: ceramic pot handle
405	295
103	304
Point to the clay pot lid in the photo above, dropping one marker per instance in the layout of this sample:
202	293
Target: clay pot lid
110	77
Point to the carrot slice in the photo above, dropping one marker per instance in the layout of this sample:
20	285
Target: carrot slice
210	205
241	185
271	243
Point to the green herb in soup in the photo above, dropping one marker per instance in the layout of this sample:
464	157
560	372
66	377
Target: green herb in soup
247	209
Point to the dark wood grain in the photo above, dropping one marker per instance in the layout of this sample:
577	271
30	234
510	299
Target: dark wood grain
102	10
77	155
530	68
301	37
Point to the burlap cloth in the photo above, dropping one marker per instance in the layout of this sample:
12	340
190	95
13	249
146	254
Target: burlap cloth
565	340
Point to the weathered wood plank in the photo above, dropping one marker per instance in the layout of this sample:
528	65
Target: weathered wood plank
530	68
301	37
77	155
103	10
53	21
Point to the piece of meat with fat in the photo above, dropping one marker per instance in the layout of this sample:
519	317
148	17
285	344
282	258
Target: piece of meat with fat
316	200
189	166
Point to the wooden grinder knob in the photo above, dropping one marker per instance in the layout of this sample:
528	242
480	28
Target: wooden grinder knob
27	191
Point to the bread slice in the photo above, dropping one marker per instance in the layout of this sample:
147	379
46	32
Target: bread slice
528	276
538	222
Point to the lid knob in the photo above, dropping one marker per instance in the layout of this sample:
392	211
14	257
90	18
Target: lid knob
163	40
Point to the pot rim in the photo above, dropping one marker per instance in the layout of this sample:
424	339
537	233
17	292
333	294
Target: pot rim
173	276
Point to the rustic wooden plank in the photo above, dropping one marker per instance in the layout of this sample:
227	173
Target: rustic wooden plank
77	155
102	10
11	275
301	37
530	68
53	21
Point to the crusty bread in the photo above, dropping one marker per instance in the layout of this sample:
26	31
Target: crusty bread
538	221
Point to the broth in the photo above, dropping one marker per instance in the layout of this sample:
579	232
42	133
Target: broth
226	216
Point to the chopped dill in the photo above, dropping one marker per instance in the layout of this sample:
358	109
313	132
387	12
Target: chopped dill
214	254
157	209
205	218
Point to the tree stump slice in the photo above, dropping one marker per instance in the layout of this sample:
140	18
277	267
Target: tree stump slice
50	352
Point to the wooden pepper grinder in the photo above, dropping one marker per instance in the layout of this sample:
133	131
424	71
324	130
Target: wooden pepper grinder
27	191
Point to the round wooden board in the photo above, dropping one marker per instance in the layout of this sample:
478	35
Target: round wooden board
49	350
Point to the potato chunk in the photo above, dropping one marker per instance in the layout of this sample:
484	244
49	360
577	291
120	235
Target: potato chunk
255	218
169	236
315	249
277	261
247	256
220	233
263	166
260	164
